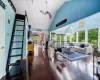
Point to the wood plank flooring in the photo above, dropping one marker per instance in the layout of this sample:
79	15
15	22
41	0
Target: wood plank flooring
49	68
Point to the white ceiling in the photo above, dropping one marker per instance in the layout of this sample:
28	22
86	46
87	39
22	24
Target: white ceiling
37	19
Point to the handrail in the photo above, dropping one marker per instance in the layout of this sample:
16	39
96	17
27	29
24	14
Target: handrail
2	4
8	59
26	16
23	44
12	5
29	26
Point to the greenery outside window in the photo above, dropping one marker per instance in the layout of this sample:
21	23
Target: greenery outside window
35	38
93	36
62	37
52	36
58	37
68	37
74	37
81	36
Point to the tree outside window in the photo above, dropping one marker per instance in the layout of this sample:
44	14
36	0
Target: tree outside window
74	37
52	36
93	36
62	37
68	37
81	36
58	37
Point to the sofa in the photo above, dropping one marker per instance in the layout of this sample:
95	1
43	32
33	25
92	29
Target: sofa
85	48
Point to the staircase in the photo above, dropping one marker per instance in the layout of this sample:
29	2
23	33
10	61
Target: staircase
14	70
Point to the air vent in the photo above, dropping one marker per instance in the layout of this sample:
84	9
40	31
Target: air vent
62	22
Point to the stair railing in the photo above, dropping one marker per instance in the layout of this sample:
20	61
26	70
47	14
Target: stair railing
26	23
9	53
12	5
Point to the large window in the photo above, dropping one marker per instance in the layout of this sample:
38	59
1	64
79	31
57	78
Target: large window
52	36
62	37
68	37
74	37
93	36
81	36
35	38
58	37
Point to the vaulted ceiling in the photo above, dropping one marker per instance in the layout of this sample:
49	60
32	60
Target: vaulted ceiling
37	19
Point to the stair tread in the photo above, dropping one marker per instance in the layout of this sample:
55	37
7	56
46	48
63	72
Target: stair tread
17	48
20	20
14	64
17	35
19	25
15	55
17	41
19	16
19	30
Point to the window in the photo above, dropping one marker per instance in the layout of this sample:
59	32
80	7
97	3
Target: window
81	36
74	37
58	37
62	37
52	36
93	36
68	37
35	38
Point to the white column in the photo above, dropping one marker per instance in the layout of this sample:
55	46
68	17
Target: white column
86	36
98	39
76	36
60	40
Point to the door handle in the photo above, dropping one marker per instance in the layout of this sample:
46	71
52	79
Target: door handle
2	47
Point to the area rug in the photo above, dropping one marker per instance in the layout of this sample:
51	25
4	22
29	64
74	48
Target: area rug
73	56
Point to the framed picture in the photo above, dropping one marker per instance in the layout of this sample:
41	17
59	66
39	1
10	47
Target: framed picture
81	23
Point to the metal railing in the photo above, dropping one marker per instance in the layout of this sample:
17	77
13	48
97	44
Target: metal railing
12	5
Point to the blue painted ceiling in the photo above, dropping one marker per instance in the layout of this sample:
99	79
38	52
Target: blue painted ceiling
75	10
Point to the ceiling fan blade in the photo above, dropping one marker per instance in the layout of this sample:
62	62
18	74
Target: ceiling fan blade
50	16
42	12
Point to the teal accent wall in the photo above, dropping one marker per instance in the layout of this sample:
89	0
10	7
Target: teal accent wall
9	14
75	10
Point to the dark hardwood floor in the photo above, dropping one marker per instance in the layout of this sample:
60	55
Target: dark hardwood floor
49	68
41	68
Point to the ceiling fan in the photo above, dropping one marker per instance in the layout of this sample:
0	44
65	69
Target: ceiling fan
47	12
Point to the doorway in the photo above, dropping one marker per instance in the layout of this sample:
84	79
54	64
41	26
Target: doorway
2	42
